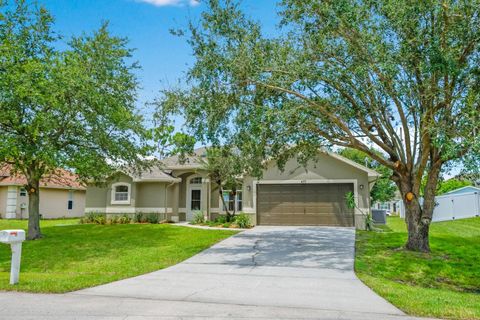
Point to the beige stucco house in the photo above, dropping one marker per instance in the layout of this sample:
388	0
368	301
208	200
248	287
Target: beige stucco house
61	195
298	195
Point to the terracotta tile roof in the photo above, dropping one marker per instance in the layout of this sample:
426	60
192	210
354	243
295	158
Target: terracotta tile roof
60	179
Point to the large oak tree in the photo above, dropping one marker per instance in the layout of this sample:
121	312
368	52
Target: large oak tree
72	108
402	74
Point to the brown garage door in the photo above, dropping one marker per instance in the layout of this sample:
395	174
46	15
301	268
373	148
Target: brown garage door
304	204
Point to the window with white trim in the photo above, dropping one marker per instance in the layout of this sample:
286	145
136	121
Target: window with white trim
233	200
121	193
70	200
23	192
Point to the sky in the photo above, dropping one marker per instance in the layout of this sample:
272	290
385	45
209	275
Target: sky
164	58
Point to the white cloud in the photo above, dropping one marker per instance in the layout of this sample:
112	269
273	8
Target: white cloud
164	3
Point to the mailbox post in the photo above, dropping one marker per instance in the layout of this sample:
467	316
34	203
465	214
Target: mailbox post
15	239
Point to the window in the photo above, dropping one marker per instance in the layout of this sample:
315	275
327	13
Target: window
233	200
239	201
196	180
195	202
23	192
121	193
70	200
384	206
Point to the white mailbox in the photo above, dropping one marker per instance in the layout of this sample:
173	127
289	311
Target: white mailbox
15	239
12	236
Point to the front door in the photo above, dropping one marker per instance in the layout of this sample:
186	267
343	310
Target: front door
194	202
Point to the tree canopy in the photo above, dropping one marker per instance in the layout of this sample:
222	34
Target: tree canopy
384	188
402	74
224	167
72	108
451	184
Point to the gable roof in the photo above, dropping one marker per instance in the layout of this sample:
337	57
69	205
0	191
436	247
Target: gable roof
189	162
154	174
60	179
194	162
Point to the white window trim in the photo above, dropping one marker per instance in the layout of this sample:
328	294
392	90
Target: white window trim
118	184
236	200
24	191
70	198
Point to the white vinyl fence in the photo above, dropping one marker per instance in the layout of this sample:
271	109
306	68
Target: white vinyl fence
453	206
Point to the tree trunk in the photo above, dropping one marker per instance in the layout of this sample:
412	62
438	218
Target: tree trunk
419	216
33	209
220	190
417	228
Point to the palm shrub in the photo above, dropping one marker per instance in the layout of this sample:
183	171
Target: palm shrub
350	200
152	218
243	221
124	219
198	218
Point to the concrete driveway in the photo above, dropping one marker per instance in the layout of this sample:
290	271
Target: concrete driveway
263	273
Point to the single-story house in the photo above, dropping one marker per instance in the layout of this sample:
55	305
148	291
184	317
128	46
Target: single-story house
299	195
61	195
392	207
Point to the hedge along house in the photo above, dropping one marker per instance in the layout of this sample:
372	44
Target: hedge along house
299	195
61	195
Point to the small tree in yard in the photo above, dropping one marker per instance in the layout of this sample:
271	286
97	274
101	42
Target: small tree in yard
403	74
224	168
71	109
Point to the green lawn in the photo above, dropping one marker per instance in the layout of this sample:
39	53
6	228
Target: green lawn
71	256
444	284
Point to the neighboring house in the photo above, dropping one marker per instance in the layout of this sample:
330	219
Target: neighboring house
393	207
311	195
61	195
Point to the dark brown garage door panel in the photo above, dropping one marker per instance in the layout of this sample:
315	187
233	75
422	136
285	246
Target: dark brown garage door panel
304	204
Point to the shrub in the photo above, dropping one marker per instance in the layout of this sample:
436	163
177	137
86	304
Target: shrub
137	218
94	217
152	218
112	220
124	219
198	218
243	221
100	219
221	219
